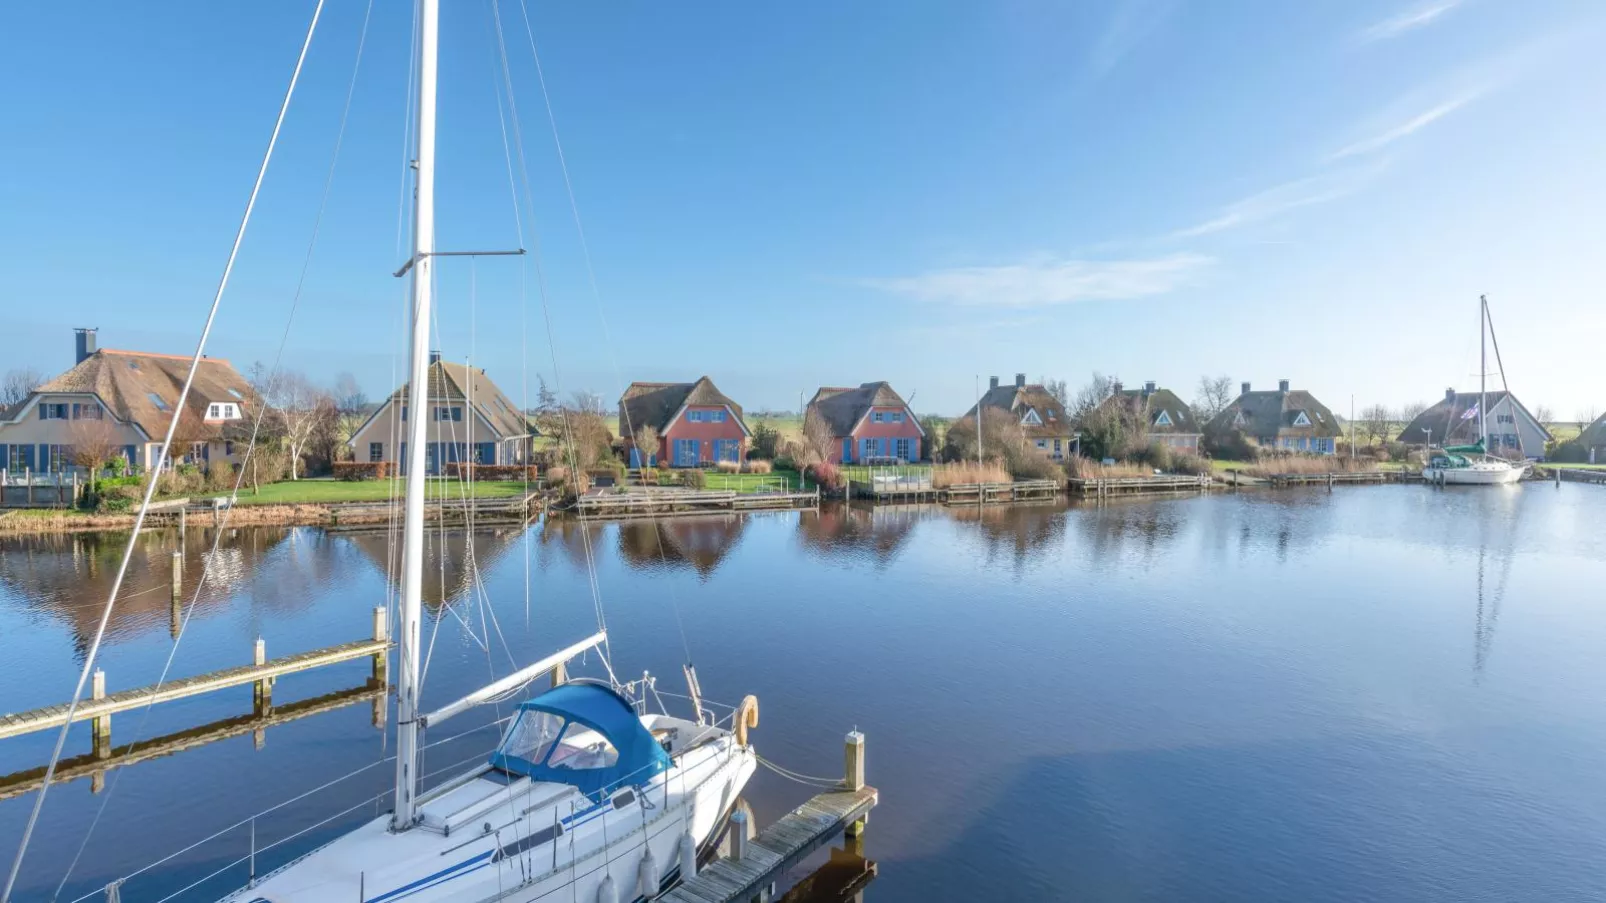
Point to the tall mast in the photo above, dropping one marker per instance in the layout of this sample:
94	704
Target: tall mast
1483	367
417	407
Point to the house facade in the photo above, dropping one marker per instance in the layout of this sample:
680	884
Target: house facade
1287	419
470	421
697	425
1042	418
118	404
1513	431
869	424
1593	440
1167	420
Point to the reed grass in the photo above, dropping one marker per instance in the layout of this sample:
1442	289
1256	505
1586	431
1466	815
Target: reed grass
945	475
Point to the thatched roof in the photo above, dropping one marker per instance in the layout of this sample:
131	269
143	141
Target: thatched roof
1152	405
459	382
1018	397
1273	413
658	404
843	408
1454	418
140	388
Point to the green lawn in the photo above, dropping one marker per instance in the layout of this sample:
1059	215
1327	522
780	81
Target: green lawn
779	481
291	492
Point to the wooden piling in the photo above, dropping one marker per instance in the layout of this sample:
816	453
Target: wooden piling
178	574
262	690
101	727
738	835
382	657
853	777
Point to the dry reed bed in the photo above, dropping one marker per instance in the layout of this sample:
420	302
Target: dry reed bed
946	475
1309	464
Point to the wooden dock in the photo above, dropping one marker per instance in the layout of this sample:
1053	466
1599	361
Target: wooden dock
1328	479
644	501
990	493
101	706
1576	475
754	865
1124	485
96	764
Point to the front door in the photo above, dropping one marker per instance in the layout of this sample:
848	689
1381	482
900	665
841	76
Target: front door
685	452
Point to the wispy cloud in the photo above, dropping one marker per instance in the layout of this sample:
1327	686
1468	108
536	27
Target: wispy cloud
1049	281
1410	20
1407	128
1129	23
1274	202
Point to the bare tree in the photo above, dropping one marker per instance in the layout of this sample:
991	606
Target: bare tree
350	404
1213	396
817	441
1376	421
94	442
1412	410
1544	414
586	402
304	408
18	385
1090	396
646	441
1587	414
1057	388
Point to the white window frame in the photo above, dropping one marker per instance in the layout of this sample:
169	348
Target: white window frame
1032	418
1301	419
1164	419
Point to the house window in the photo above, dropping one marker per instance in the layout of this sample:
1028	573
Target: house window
1301	420
1042	443
236	394
404	412
875	417
1163	420
453	414
376	451
1238	419
694	416
53	411
1032	418
228	448
60	458
1058	448
214	412
897	416
157	400
903	449
86	411
222	411
719	416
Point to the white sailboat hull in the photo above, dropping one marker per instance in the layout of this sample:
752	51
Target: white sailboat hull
1481	474
488	840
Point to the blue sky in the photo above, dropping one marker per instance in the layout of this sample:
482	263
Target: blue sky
788	196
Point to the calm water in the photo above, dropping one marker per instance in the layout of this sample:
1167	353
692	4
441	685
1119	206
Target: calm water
1382	693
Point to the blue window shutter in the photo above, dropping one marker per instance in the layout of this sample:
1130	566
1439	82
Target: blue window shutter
5	457
847	449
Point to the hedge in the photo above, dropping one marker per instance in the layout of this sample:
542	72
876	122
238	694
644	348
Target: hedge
506	472
361	470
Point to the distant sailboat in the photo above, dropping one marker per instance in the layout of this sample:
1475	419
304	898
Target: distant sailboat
1471	464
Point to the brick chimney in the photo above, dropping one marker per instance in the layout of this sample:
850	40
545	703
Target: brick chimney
1245	389
1115	387
434	358
1148	388
1449	395
992	382
1020	380
1282	386
85	343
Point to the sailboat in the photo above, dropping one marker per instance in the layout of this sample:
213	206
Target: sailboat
586	797
1471	464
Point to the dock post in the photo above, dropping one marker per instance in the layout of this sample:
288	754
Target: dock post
1329	482
1557	471
853	778
101	729
183	522
262	690
381	632
178	574
738	834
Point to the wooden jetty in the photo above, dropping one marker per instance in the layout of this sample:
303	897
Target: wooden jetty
96	764
1577	475
261	674
1328	479
989	493
754	865
1124	485
643	501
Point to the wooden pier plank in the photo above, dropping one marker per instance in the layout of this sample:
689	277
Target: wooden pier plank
18	723
777	848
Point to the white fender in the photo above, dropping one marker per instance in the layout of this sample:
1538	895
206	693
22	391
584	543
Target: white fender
606	892
688	857
647	886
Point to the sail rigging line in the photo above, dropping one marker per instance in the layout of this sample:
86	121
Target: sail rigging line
605	653
256	428
167	443
596	295
1511	403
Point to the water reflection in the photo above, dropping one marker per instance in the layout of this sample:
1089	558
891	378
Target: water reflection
843	532
68	576
699	542
454	559
1017	532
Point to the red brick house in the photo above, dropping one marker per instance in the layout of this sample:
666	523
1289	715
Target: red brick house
697	424
870	423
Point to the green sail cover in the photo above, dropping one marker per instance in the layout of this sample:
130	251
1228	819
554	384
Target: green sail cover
1475	448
